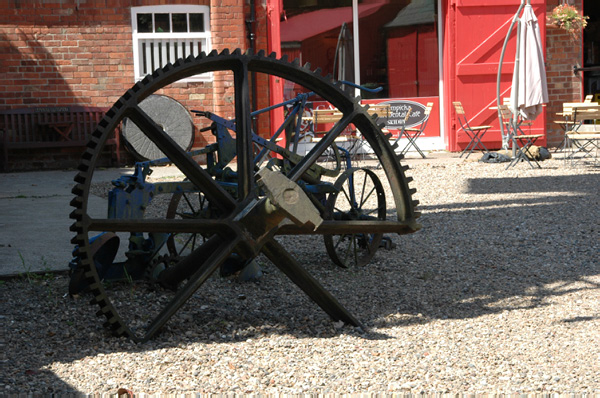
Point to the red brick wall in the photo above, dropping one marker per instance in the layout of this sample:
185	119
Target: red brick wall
563	51
67	52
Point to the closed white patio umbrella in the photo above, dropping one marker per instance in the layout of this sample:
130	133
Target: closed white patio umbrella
529	85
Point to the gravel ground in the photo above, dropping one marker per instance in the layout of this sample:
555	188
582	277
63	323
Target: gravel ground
498	293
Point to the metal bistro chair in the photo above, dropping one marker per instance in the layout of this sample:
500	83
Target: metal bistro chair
475	133
412	133
584	137
522	142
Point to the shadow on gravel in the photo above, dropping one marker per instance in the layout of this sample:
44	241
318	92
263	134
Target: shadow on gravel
515	245
519	242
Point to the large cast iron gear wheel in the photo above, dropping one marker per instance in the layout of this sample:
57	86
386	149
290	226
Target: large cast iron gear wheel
237	231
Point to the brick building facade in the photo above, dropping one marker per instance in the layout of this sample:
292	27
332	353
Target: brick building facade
79	52
563	51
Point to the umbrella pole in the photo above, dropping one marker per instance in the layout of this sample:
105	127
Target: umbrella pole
507	135
514	102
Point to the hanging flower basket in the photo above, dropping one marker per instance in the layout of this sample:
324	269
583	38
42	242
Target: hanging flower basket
569	18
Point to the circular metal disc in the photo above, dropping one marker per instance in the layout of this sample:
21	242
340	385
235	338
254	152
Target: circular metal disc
174	119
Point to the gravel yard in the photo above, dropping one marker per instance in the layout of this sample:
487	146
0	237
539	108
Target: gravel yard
498	293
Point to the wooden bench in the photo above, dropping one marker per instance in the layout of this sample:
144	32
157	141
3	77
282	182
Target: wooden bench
51	127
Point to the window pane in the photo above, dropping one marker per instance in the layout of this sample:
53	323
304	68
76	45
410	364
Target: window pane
179	22
196	22
144	23
162	23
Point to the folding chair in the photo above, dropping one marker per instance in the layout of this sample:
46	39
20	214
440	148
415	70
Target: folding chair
412	133
521	142
584	139
475	133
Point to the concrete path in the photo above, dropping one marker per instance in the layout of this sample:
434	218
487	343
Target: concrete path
34	220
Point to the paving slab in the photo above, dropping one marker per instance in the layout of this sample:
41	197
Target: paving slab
34	220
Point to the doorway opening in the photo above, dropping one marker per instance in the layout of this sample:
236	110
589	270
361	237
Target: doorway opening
591	49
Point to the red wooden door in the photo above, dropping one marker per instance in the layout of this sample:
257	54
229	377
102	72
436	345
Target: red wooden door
475	31
427	58
402	68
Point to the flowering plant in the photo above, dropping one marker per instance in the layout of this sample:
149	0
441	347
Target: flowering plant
568	18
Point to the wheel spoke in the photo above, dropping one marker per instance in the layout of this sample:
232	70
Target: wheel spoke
205	226
185	197
243	137
289	266
209	258
363	201
321	147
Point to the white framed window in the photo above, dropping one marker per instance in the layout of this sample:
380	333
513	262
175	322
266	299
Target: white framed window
162	34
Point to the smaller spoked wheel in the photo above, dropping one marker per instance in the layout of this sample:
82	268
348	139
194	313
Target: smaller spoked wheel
186	205
358	196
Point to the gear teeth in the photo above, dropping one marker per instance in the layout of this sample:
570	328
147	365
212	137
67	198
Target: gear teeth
75	227
87	155
77	240
76	214
273	55
358	98
415	202
80	178
202	55
307	66
261	53
250	52
213	53
328	77
409	179
387	136
380	125
296	62
104	122
237	51
417	214
92	143
146	78
225	52
123	332
128	94
318	71
284	58
405	167
394	146
412	191
77	190
158	72
138	86
83	166
100	301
